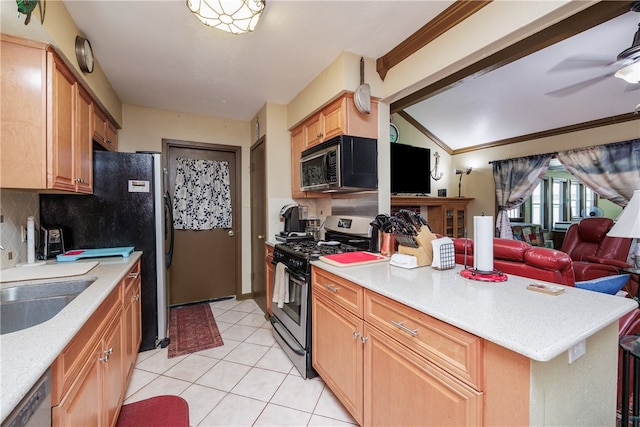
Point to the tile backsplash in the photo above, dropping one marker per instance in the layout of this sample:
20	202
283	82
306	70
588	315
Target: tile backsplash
15	207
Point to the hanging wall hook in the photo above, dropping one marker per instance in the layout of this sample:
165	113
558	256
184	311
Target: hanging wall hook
434	172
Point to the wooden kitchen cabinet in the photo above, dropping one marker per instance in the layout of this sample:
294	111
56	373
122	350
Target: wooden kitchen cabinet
339	117
337	328
91	374
104	131
446	216
385	375
47	127
270	272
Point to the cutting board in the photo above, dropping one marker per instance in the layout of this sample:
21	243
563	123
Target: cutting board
46	271
77	254
350	259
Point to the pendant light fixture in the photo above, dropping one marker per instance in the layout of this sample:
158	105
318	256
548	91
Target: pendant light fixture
233	16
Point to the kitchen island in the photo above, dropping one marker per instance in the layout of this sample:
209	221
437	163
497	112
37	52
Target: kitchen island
499	352
25	355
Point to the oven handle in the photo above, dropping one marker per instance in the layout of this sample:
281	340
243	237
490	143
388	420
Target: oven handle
299	278
276	327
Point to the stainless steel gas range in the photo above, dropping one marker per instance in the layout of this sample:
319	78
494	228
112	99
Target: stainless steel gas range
291	318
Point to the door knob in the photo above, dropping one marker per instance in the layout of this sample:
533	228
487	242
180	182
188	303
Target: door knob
260	236
230	233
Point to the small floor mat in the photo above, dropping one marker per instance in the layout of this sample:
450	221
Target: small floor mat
192	328
158	411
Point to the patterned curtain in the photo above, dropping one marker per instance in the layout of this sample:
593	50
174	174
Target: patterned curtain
612	170
515	181
202	198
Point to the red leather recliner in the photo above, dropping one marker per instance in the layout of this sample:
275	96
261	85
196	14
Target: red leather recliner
594	254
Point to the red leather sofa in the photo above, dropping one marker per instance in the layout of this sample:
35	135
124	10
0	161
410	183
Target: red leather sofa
522	259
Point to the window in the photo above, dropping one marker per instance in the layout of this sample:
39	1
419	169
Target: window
555	199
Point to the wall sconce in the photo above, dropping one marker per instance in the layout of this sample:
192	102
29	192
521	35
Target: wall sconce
461	172
434	172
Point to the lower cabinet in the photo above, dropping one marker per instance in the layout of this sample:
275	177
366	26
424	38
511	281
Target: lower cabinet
91	374
383	379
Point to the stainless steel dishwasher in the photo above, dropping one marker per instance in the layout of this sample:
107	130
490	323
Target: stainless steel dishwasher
35	408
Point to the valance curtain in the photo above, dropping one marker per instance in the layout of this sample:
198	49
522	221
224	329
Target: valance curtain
202	197
515	180
612	170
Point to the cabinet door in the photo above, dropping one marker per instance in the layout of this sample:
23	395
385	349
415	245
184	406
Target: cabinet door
337	353
82	406
312	132
84	142
113	385
112	137
333	123
99	125
270	271
61	158
406	389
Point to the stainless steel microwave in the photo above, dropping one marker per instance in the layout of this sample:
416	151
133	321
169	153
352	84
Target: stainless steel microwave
342	164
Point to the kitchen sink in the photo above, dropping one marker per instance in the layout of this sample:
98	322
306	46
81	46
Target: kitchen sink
25	306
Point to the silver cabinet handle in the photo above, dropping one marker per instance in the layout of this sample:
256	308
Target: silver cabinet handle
331	288
356	334
136	298
110	351
412	332
364	339
133	275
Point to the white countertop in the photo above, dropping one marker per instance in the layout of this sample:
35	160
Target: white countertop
534	324
25	355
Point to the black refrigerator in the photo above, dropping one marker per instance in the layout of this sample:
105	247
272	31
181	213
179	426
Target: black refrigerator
128	207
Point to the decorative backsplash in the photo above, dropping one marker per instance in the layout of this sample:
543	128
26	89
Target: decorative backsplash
15	208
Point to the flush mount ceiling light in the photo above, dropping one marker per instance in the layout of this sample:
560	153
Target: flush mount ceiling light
233	16
631	56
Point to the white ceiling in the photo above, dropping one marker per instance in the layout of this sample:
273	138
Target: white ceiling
157	54
516	99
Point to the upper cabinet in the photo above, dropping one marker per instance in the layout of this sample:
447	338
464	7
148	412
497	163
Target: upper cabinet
47	121
104	132
339	117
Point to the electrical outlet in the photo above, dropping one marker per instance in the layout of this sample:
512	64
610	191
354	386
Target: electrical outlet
577	351
9	255
23	233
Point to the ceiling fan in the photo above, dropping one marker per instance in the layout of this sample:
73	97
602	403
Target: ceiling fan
626	66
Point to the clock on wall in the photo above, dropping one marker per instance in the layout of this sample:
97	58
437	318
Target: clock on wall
394	133
84	54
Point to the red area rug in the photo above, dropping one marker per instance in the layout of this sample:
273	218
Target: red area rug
159	411
192	328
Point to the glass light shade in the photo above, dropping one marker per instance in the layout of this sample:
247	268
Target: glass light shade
628	223
630	73
233	16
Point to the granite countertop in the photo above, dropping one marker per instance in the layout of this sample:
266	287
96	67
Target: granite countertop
536	325
25	355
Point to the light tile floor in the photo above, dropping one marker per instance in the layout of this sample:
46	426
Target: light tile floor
249	381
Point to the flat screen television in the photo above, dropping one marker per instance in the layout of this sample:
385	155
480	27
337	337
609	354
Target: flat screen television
410	169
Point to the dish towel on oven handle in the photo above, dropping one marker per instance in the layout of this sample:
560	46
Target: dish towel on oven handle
281	285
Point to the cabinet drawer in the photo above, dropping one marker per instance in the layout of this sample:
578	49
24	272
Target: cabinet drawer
132	276
68	364
454	350
344	293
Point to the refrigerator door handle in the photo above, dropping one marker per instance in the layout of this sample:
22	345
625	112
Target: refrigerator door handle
168	227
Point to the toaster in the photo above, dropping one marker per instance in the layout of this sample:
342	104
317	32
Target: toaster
52	242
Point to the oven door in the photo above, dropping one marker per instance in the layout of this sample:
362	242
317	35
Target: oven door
293	315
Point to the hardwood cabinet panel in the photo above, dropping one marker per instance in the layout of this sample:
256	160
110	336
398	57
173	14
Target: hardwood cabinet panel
60	161
452	349
84	146
337	353
344	293
113	380
446	216
406	389
112	137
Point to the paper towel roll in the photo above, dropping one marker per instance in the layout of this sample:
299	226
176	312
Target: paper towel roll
483	243
31	243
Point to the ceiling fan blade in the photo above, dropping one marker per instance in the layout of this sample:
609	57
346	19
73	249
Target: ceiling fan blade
568	90
582	61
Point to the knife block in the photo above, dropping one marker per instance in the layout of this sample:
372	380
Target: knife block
424	251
